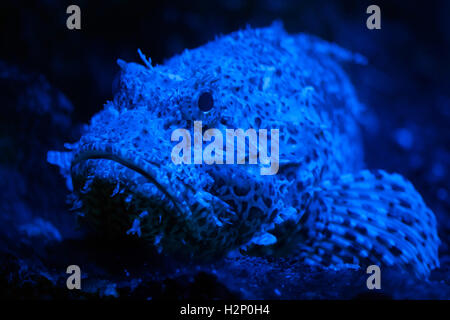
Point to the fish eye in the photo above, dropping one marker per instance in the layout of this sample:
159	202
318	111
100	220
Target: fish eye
205	101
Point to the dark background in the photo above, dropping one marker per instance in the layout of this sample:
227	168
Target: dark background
52	80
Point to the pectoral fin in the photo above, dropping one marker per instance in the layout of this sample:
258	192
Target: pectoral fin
371	217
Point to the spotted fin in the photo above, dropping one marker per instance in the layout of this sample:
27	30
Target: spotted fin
371	217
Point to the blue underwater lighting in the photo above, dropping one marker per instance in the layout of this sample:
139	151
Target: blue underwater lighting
266	150
317	202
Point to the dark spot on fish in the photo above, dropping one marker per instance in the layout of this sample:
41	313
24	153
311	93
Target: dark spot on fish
375	255
396	187
326	258
381	240
349	236
347	259
351	213
408	238
377	175
231	203
379	187
220	181
315	155
108	148
292	130
244	206
267	201
271	190
361	230
241	191
391	230
405	204
407	220
201	221
291	176
305	196
395	251
274	214
255	212
194	206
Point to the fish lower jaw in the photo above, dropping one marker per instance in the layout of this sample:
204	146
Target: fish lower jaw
119	203
110	196
129	170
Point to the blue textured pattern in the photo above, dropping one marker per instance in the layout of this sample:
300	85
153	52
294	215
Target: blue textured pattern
53	80
321	206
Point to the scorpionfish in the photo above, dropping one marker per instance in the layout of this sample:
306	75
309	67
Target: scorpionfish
321	205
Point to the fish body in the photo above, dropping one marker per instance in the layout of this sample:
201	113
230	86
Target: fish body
320	204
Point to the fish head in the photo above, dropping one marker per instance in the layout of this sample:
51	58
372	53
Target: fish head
125	179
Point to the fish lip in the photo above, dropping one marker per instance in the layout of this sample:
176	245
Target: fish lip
95	153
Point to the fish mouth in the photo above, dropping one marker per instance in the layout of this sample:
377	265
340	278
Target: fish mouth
135	164
115	187
180	215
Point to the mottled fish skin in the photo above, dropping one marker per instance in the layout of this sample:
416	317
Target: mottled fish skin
321	206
